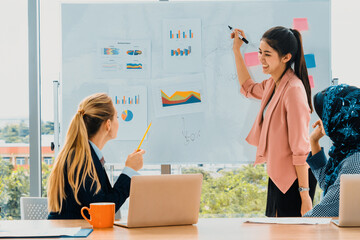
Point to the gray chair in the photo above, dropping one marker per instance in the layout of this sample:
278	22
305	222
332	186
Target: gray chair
33	208
118	215
36	208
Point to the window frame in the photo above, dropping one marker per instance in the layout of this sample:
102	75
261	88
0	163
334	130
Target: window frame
34	98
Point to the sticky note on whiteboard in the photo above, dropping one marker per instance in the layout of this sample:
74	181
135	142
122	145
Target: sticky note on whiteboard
251	59
311	81
300	24
310	60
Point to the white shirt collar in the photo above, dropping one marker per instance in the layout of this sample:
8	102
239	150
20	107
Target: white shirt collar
97	150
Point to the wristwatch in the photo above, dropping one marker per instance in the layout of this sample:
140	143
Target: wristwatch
302	189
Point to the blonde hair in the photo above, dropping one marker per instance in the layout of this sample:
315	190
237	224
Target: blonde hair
75	157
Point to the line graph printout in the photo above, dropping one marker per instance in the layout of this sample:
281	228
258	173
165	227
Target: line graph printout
182	45
179	95
131	105
123	58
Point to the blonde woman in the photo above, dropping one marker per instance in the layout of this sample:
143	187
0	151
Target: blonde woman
78	177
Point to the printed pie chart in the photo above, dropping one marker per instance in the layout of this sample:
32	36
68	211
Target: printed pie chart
127	115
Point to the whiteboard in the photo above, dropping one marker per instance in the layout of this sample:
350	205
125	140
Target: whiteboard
215	130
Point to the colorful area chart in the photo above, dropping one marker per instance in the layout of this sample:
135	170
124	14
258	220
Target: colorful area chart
134	52
127	115
111	51
134	66
180	97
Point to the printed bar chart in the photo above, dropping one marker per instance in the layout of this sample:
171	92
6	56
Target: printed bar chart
127	100
184	35
179	52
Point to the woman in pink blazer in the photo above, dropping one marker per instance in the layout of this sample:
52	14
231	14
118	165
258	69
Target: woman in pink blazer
281	129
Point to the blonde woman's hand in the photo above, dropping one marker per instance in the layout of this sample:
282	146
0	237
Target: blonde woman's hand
237	41
318	132
135	160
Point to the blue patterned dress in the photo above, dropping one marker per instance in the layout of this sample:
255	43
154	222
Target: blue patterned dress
329	204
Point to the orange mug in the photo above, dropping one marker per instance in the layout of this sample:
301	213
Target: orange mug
102	214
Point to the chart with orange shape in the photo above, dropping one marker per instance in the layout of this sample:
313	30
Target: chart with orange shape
179	98
131	106
182	45
127	115
123	58
179	95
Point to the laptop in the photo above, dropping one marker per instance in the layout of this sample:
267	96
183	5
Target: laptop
349	207
163	200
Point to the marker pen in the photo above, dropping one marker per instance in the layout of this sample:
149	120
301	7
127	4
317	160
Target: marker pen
242	38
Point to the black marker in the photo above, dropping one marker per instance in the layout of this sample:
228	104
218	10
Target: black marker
242	38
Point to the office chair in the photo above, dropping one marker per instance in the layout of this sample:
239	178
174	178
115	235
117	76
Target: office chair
36	208
118	215
33	208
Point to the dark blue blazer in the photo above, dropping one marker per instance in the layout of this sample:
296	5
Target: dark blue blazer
117	194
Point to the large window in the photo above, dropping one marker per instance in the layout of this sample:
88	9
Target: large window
226	188
14	113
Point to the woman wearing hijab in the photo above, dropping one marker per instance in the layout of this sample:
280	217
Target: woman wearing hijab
339	110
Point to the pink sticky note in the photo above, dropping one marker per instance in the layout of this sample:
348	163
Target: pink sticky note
311	80
251	59
300	24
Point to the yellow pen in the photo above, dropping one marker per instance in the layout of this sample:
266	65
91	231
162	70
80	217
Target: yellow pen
143	137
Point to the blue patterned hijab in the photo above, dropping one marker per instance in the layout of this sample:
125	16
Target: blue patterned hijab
340	114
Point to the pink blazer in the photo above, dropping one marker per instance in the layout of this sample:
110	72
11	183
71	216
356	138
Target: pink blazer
282	136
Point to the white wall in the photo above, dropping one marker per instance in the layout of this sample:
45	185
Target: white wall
345	41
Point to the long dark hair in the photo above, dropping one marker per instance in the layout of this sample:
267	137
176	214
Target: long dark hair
284	41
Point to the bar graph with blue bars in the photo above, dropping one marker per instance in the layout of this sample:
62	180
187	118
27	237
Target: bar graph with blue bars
127	100
178	34
181	52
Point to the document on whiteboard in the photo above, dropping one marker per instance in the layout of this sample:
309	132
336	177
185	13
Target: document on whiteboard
293	220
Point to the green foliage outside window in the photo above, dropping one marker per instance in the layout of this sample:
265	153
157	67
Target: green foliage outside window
15	133
237	193
19	132
16	184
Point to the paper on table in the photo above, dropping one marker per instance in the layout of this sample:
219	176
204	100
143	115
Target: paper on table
50	232
280	220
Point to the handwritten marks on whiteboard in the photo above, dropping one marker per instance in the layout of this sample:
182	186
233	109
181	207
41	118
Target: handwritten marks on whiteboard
190	136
